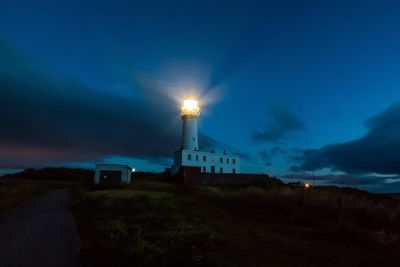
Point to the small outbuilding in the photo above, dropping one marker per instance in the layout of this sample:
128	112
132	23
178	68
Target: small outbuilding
112	174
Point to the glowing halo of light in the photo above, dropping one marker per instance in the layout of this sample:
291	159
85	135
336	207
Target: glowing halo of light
190	107
177	83
203	97
190	104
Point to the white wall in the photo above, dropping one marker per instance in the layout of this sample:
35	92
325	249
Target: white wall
212	159
190	140
126	172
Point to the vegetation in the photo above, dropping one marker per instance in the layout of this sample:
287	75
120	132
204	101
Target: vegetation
52	174
157	226
14	192
18	188
154	223
162	224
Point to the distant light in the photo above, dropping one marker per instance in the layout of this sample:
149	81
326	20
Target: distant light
190	107
133	170
307	185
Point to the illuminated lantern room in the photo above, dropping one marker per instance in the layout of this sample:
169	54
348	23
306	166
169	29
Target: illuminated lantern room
190	108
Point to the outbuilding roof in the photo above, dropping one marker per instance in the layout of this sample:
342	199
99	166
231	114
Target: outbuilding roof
113	165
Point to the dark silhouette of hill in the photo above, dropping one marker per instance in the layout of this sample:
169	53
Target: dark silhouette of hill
54	174
157	222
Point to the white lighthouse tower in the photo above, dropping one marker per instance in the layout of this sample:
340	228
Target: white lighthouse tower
190	114
190	155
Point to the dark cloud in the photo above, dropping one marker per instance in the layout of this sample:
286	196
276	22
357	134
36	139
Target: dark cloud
311	159
265	155
294	156
281	124
377	152
46	118
243	155
277	150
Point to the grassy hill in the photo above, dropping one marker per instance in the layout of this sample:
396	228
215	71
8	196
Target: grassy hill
18	188
155	223
163	224
51	174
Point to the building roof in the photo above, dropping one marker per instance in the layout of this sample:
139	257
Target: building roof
113	165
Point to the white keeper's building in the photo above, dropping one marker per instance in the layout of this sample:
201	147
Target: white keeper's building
112	174
190	155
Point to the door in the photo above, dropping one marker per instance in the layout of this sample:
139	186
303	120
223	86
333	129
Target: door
110	177
212	169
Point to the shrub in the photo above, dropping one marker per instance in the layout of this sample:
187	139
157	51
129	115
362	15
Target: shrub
147	226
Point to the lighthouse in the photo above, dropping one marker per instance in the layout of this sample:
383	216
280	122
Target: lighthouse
190	154
190	113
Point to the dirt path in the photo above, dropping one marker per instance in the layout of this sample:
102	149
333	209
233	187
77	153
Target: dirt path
40	233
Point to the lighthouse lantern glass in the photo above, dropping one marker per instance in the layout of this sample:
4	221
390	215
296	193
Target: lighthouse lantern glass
190	107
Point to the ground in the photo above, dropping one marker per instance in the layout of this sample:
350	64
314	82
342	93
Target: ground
41	233
162	224
14	192
154	223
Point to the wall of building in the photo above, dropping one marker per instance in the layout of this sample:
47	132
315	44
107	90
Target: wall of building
125	172
193	175
189	133
229	179
222	163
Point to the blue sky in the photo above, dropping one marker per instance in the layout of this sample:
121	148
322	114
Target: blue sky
277	79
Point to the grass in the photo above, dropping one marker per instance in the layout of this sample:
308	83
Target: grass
14	192
144	228
18	188
311	227
153	223
163	224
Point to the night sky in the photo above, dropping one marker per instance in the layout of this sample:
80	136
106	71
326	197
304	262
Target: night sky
297	88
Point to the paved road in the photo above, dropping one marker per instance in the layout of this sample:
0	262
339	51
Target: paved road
40	233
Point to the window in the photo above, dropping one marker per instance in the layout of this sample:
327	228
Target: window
204	169
204	158
227	160
221	160
221	170
234	171
213	169
234	161
189	156
197	157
